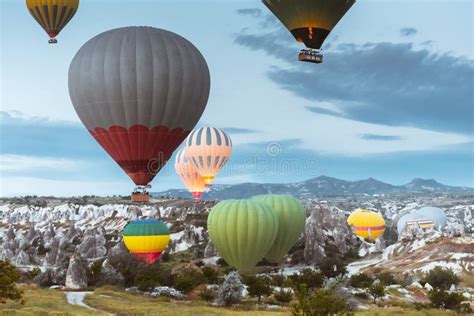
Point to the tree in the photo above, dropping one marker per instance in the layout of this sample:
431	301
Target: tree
230	292
440	278
386	278
8	278
332	267
283	296
258	286
442	299
361	281
311	278
318	302
377	290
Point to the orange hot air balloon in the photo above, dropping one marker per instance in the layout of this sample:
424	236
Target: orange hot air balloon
192	180
209	149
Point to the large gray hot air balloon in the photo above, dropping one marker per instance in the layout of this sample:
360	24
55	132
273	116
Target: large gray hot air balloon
139	91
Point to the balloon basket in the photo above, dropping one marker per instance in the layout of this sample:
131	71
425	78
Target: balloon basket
53	41
140	197
311	56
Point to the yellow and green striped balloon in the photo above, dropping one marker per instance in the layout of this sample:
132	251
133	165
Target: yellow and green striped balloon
146	239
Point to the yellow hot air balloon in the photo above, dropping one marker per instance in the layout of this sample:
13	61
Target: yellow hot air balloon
52	15
367	224
309	21
192	180
209	149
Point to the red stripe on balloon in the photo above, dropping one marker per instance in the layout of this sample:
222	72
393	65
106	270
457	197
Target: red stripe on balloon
148	257
369	227
140	151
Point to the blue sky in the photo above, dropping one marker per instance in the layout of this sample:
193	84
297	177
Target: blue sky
393	100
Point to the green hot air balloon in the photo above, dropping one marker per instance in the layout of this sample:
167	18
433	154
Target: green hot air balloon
243	231
291	217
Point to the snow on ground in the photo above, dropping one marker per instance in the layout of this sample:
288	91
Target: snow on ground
443	264
77	298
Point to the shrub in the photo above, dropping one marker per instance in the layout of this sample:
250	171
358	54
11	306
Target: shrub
377	290
210	274
165	257
258	286
362	295
283	296
361	281
151	276
8	278
317	302
230	292
332	267
129	267
45	279
442	299
187	278
93	272
279	280
311	278
386	278
440	278
207	295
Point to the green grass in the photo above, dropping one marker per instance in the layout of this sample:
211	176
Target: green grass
42	302
122	303
109	300
399	311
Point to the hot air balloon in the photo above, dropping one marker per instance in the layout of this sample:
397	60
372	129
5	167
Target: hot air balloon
367	224
291	217
139	91
192	180
309	21
146	239
209	149
243	231
52	15
425	217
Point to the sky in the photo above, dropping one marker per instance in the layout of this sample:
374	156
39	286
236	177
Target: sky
393	99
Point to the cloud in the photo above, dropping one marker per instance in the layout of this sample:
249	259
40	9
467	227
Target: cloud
36	136
250	11
380	137
16	163
384	83
408	31
238	130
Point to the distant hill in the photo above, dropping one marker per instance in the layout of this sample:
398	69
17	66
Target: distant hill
322	186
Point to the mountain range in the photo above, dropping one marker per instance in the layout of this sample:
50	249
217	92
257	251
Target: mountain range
321	186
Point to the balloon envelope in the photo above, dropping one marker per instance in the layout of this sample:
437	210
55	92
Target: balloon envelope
192	180
424	217
367	224
291	218
139	91
52	15
309	21
146	239
209	149
243	231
